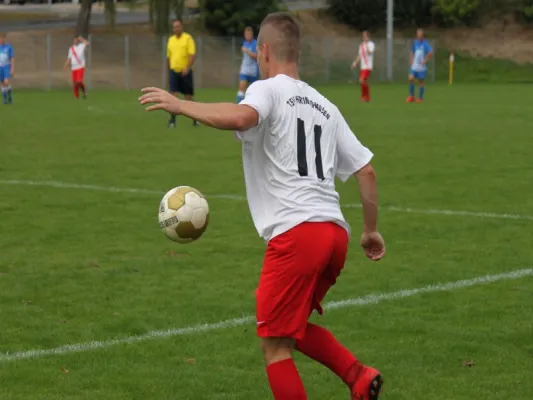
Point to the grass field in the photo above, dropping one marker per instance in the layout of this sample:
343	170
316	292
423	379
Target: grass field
88	263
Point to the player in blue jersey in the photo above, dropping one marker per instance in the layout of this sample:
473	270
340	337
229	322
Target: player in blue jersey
420	55
7	68
249	72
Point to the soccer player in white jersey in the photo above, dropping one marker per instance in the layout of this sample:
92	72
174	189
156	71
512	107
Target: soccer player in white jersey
365	56
76	61
249	72
295	143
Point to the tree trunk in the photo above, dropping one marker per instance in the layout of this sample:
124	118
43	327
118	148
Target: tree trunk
151	11
110	13
177	7
162	15
84	18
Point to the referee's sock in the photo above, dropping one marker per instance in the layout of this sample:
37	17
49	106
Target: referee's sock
9	95
240	96
4	94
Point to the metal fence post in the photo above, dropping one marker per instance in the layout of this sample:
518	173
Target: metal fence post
233	60
163	62
127	61
199	76
434	60
89	64
49	61
325	54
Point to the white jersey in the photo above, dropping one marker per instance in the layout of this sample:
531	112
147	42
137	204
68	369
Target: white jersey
366	55
292	156
76	55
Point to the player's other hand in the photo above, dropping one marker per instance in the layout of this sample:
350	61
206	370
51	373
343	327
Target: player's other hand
160	100
354	65
185	72
373	245
244	49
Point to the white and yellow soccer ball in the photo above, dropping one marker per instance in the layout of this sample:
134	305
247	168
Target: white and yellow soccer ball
183	214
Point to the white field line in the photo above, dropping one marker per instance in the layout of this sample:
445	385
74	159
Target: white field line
236	322
64	185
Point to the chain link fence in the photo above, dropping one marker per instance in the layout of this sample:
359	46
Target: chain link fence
130	62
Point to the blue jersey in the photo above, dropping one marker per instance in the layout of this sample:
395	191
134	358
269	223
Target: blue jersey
249	64
6	54
421	48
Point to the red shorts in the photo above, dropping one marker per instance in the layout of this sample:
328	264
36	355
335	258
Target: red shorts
365	74
77	75
299	268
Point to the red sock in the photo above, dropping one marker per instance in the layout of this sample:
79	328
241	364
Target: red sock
76	90
362	90
285	381
367	91
320	345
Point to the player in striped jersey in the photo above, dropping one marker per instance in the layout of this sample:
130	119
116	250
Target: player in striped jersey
365	57
249	72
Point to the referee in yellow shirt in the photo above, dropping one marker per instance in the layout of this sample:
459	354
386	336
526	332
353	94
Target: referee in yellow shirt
181	55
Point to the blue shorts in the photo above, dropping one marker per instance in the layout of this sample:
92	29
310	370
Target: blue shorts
248	78
5	73
420	75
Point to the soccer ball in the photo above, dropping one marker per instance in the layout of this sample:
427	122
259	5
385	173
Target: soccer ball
183	214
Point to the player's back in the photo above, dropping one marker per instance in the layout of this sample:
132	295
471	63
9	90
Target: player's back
292	157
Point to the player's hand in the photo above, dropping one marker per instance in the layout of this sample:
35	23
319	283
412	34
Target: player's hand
160	100
373	245
423	62
185	72
244	49
354	65
12	72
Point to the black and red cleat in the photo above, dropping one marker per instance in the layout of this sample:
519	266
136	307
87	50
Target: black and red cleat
368	386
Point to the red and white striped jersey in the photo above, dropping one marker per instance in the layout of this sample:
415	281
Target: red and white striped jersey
366	55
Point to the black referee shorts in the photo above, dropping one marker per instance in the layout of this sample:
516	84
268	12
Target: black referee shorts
177	83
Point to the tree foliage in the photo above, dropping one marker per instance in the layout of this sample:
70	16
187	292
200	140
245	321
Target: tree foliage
230	17
366	14
456	12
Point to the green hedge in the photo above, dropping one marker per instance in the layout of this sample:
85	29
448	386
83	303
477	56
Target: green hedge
366	14
455	12
230	17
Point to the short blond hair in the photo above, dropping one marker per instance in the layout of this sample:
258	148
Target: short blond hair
281	31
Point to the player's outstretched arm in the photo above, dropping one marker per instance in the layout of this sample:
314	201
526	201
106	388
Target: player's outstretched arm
371	240
84	41
224	116
356	61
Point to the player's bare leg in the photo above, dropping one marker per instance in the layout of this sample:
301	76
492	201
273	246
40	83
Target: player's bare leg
283	376
7	84
81	85
242	90
421	89
191	98
320	345
4	92
411	97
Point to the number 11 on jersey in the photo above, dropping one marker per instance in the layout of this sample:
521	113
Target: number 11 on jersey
301	146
